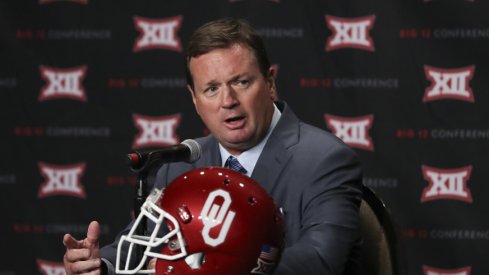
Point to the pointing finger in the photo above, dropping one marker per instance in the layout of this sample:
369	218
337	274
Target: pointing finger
70	242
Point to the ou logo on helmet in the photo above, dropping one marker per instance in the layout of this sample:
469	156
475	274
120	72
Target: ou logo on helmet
213	215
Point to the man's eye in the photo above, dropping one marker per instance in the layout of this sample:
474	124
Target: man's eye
210	90
243	82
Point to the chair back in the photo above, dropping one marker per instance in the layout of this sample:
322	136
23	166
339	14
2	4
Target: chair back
379	248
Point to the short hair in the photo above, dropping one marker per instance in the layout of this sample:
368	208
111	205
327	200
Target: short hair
224	33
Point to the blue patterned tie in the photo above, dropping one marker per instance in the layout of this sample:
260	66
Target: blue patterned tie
233	163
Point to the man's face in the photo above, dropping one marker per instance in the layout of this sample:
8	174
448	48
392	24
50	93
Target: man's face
232	97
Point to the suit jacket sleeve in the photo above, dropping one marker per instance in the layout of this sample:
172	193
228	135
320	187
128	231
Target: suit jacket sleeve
327	234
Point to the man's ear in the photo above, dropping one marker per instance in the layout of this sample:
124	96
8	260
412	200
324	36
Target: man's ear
272	74
192	93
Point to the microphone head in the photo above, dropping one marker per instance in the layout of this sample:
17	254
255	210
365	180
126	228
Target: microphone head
195	149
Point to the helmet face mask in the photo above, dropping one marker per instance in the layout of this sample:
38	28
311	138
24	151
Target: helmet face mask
151	213
215	220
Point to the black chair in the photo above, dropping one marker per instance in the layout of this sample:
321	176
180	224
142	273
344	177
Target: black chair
379	248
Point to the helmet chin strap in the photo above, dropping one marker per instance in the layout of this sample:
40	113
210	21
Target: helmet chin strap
195	260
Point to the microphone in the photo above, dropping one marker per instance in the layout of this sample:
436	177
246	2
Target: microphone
188	151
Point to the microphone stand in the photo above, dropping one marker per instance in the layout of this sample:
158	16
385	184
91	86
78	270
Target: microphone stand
140	197
142	167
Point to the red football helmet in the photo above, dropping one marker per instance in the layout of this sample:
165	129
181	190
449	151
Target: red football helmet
219	222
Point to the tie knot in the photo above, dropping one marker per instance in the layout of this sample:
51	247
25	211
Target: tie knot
233	163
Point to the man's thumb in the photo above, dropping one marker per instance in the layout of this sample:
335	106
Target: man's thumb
93	234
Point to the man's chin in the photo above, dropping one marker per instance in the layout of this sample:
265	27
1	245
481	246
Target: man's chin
236	144
236	136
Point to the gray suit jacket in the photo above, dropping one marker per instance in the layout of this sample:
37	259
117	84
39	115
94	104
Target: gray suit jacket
316	179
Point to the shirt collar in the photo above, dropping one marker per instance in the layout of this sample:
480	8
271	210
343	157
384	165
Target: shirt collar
249	157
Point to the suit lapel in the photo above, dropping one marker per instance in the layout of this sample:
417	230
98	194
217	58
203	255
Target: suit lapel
210	154
275	154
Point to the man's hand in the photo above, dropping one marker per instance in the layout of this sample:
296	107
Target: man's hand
151	265
83	256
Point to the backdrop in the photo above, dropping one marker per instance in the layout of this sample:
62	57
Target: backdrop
404	82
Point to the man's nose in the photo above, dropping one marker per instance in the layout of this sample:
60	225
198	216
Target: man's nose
229	98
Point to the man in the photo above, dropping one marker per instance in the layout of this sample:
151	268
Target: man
310	173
